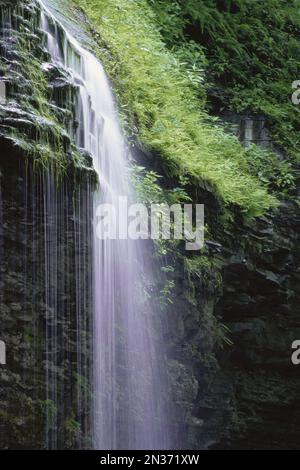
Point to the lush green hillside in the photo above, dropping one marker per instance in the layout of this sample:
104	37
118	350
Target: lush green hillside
250	51
162	99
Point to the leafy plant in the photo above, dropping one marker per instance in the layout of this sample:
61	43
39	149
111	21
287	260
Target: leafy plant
247	66
163	109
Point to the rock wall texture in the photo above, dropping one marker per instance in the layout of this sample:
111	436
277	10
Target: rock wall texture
260	305
242	391
45	239
44	307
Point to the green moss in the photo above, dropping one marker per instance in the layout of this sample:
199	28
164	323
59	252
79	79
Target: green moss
73	432
31	123
161	107
49	135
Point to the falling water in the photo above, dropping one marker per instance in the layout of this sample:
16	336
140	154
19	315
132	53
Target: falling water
129	410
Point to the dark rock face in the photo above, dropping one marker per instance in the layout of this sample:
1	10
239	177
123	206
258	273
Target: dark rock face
250	128
260	306
45	247
244	394
45	306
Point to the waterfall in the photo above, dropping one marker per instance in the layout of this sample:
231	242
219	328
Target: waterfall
129	391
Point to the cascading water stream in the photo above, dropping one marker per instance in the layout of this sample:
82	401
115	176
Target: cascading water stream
129	410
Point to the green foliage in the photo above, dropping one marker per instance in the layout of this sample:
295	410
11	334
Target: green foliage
48	149
197	266
150	191
157	94
35	126
166	293
253	55
192	61
72	431
201	268
146	184
50	410
278	174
